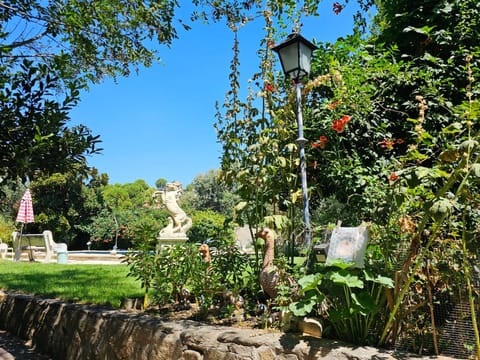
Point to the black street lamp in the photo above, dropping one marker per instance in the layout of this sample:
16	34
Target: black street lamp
295	55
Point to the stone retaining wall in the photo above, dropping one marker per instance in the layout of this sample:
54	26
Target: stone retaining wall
68	331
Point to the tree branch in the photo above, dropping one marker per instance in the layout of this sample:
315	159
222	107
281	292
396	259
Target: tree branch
31	40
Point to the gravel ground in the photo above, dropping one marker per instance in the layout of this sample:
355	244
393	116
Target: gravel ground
12	347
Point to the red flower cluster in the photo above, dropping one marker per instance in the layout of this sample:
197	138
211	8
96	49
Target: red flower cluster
269	87
337	8
321	142
339	125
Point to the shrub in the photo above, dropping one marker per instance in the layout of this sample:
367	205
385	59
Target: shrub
209	225
7	226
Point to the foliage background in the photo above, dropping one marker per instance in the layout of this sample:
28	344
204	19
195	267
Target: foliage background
391	115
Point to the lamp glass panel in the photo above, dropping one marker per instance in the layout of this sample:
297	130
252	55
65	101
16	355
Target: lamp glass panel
305	57
289	58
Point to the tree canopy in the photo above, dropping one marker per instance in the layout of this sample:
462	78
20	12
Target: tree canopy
86	38
35	137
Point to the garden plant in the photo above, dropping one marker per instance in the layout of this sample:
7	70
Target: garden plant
393	121
391	114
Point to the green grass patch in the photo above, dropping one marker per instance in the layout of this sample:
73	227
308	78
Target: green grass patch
88	284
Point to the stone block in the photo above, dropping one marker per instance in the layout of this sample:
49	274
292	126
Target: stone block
192	355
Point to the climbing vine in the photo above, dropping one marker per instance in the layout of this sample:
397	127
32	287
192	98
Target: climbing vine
392	119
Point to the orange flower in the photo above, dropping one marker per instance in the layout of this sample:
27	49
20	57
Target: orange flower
393	176
333	105
338	126
321	142
387	144
269	87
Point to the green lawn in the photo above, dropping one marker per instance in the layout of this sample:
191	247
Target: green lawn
99	284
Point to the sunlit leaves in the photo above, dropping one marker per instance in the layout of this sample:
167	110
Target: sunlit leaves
309	282
35	137
344	277
441	206
88	39
476	169
378	279
306	305
311	296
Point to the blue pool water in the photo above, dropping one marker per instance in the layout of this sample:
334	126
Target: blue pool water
96	252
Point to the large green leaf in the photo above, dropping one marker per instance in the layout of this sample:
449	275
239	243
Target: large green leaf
341	264
379	279
310	282
306	305
364	303
345	278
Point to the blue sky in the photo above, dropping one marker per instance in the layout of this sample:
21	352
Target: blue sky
159	123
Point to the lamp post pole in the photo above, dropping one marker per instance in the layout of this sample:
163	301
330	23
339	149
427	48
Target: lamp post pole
295	55
301	141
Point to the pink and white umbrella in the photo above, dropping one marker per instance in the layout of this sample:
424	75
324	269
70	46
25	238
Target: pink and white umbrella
25	216
25	212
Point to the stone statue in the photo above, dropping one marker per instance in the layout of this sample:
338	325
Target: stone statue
178	222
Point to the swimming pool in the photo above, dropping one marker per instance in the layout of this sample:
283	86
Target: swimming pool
96	252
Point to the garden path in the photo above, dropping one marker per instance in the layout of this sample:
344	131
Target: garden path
12	348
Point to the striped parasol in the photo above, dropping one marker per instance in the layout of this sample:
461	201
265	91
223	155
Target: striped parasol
25	216
25	212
